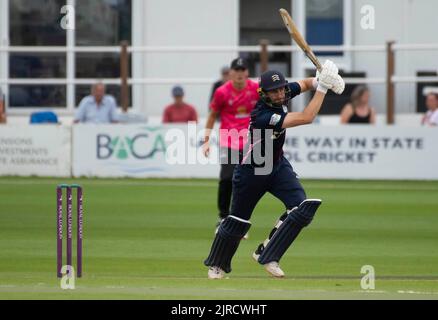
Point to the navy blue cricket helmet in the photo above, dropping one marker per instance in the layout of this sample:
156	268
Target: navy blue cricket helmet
272	80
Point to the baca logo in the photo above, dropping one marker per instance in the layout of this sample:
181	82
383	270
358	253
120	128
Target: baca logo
140	146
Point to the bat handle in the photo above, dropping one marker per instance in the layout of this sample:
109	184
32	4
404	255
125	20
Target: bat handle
315	61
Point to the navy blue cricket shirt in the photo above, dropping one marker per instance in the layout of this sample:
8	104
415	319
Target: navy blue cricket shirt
265	117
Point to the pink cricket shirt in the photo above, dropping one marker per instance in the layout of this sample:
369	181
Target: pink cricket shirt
235	110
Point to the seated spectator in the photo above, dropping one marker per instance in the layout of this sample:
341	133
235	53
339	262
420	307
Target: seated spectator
179	111
431	117
359	111
2	108
225	76
97	108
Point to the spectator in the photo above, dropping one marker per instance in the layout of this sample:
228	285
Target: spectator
97	108
359	110
179	111
431	117
225	76
2	108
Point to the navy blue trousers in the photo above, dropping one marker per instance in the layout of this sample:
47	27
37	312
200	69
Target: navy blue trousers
249	188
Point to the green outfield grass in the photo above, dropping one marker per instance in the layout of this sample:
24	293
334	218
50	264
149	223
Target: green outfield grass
147	239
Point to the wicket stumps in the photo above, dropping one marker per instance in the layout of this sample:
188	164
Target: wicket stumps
59	227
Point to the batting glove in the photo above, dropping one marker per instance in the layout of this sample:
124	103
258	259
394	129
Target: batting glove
339	86
328	77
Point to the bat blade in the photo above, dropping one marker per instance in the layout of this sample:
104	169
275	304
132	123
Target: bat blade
284	15
298	38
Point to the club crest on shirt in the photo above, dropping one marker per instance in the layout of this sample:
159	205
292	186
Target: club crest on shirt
242	112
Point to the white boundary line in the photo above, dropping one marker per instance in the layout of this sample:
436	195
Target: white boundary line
416	185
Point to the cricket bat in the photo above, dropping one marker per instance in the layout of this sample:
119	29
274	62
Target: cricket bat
298	38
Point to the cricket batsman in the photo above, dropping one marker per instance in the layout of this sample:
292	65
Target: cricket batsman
271	118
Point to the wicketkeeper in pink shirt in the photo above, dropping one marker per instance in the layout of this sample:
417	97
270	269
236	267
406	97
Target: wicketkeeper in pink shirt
232	103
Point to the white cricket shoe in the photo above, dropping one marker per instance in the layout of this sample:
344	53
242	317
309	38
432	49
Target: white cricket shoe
274	269
215	273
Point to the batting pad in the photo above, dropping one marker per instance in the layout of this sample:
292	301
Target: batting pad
230	233
288	231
